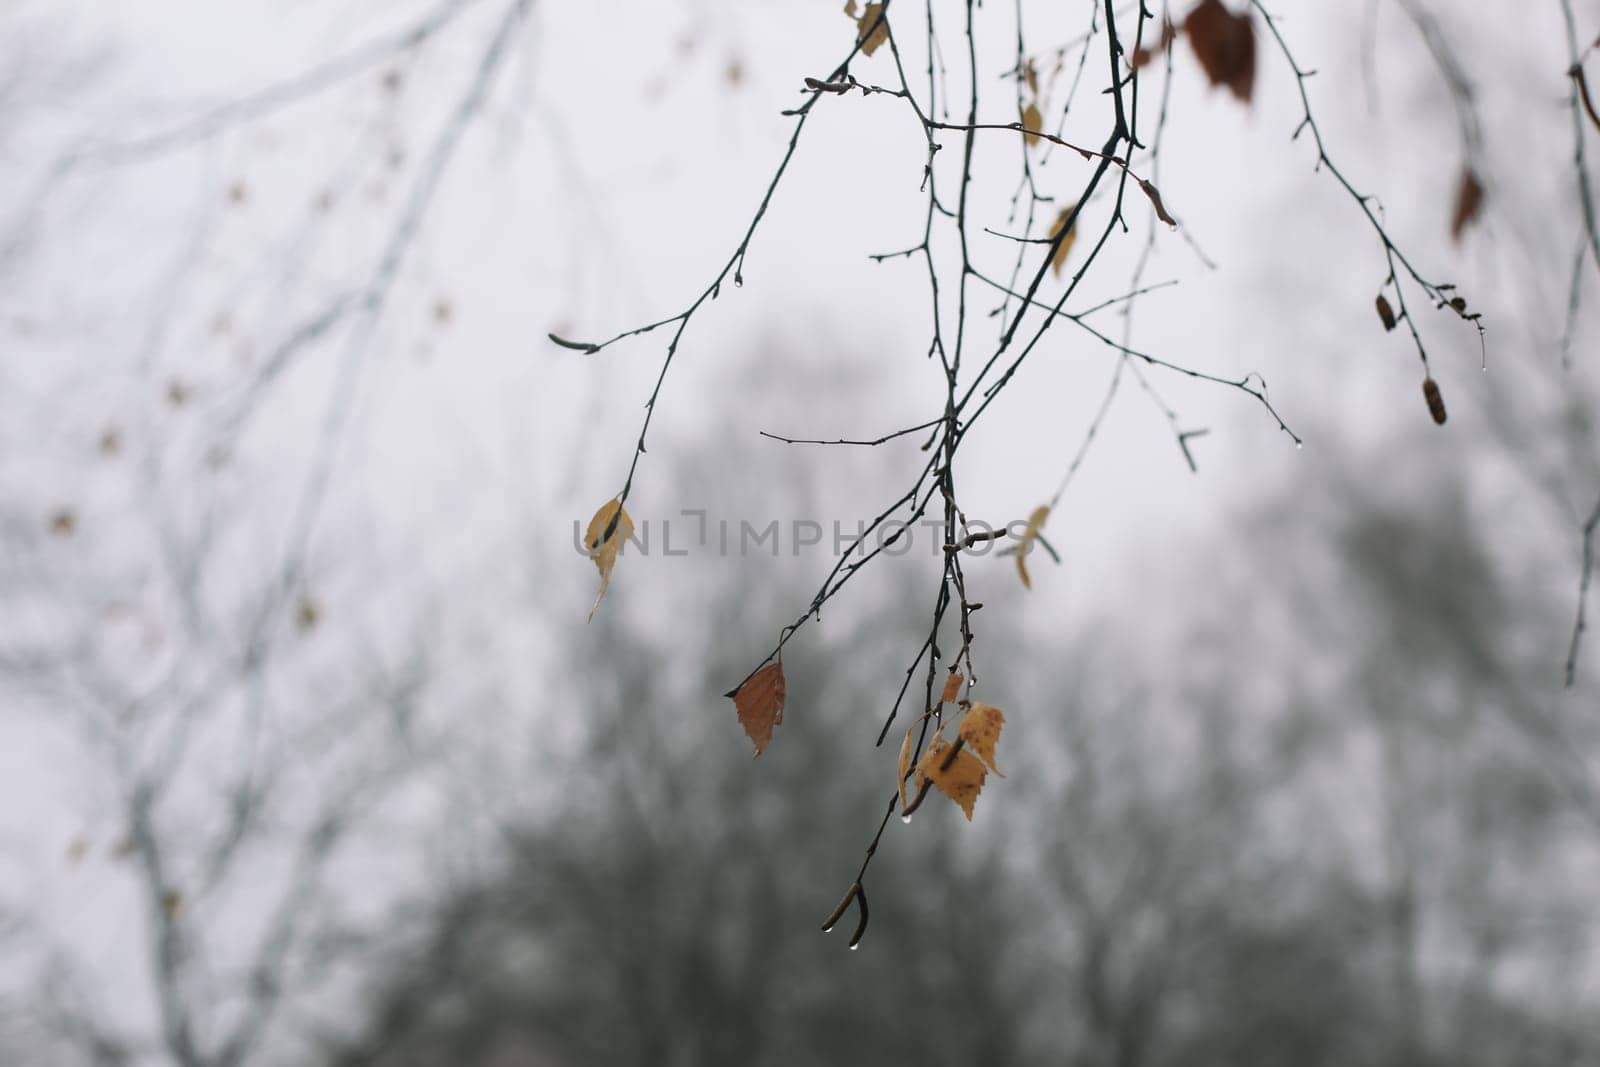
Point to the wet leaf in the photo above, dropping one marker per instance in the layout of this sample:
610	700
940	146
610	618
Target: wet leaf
958	775
607	531
980	729
952	687
759	703
1225	45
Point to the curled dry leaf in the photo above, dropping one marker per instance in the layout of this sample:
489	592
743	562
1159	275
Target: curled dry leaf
1155	201
759	702
871	29
1024	544
1386	313
1430	393
1059	259
952	687
1469	202
980	729
607	531
958	775
1225	45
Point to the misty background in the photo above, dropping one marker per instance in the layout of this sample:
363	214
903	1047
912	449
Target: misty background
308	755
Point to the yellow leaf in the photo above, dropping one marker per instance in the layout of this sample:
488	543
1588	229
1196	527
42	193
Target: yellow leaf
952	687
1059	260
759	703
980	729
1032	120
961	780
607	531
869	20
905	762
1024	544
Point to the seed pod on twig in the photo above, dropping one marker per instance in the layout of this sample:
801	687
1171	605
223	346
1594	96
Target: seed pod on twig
1430	392
1386	313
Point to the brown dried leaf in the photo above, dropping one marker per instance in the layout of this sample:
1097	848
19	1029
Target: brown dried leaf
1469	202
607	531
850	8
961	780
1030	75
952	687
1059	260
868	20
980	729
1225	45
759	702
1155	201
